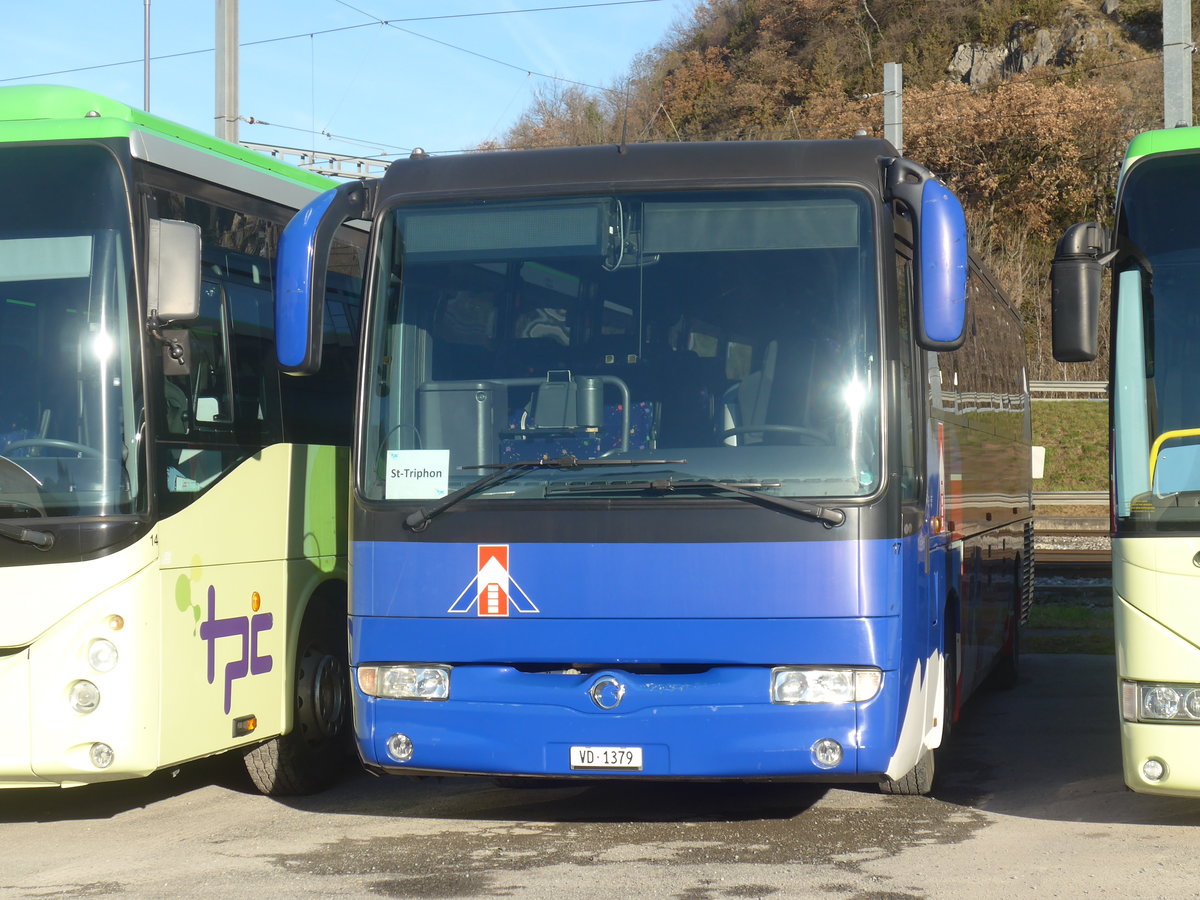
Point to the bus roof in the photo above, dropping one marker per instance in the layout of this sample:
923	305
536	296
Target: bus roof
1164	140
30	113
608	167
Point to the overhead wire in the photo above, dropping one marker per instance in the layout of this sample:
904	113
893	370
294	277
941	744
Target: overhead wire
391	23
375	21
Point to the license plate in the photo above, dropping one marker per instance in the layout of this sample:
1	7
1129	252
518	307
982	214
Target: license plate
606	757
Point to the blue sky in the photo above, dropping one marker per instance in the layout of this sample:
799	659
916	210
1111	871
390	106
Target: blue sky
386	89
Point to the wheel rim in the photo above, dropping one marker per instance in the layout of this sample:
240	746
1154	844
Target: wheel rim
322	696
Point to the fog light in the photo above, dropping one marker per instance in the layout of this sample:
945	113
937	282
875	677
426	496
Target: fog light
805	685
400	747
102	654
1154	770
405	682
84	696
827	753
102	755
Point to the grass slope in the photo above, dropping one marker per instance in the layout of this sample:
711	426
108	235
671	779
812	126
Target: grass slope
1075	435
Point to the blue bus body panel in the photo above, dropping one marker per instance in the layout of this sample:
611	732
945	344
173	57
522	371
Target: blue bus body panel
868	642
723	614
637	581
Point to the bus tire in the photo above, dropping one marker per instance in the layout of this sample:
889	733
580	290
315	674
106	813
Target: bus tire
949	679
916	782
311	756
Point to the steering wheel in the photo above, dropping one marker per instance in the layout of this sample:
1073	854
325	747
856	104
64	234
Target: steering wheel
19	489
818	437
52	444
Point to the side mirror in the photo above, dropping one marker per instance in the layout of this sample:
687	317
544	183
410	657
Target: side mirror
173	271
300	275
940	273
1075	291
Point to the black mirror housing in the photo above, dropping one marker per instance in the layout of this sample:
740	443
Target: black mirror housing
1075	277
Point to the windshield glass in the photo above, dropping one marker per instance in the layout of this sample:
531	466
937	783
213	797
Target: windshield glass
735	330
68	426
1156	407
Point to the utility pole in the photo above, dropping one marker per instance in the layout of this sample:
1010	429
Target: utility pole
1177	62
893	105
227	70
146	60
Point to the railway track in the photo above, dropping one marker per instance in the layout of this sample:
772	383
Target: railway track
1073	558
1072	548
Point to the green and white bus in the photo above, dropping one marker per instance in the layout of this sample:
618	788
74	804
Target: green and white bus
1154	252
172	510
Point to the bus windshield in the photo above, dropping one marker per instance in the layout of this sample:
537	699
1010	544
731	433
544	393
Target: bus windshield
1156	406
68	395
733	333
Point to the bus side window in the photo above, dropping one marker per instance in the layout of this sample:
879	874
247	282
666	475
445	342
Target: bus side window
212	398
907	396
256	413
230	404
311	406
198	389
199	399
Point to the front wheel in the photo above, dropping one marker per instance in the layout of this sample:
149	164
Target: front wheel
309	757
917	781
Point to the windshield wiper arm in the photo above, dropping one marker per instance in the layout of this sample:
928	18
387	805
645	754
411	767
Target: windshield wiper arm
43	540
419	520
827	516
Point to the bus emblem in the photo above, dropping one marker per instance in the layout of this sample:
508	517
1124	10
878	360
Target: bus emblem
493	593
246	629
607	692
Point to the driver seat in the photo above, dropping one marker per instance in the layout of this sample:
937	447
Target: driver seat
746	402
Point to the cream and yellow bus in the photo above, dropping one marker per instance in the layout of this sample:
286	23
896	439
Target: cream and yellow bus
172	510
1154	252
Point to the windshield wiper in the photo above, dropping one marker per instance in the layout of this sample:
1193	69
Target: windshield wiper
43	540
827	516
419	520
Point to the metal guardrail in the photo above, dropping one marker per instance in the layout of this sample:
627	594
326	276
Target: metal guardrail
1069	390
1071	498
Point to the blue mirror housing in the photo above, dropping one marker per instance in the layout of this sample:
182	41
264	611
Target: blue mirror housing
940	236
300	275
943	248
294	271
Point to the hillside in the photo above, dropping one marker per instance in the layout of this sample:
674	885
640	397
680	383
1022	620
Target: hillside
1023	106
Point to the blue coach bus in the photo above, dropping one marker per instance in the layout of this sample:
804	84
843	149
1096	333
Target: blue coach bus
674	461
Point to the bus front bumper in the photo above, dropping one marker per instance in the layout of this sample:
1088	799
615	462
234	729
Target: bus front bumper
717	724
1173	750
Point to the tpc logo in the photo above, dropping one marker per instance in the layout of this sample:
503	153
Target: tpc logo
246	629
491	592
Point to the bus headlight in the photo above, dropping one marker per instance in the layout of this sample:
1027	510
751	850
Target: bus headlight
102	655
405	682
84	696
1148	701
792	684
